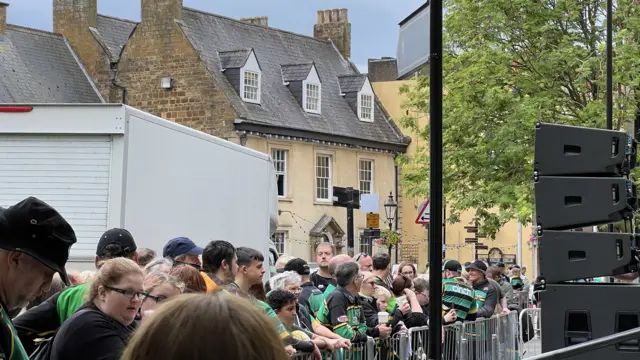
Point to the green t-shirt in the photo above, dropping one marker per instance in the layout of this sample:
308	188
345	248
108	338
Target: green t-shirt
70	300
16	352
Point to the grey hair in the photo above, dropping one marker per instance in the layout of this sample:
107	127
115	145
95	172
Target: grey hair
345	273
280	281
155	264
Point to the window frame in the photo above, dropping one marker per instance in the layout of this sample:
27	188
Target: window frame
371	171
361	107
285	234
284	173
243	87
305	97
329	198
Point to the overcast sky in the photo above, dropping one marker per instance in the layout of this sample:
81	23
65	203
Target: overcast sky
374	23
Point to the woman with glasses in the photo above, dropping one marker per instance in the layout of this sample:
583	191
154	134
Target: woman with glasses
158	287
407	269
101	328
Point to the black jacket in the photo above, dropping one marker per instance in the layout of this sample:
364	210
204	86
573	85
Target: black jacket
91	335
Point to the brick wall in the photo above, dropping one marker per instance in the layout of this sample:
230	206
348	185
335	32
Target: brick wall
159	49
385	69
3	19
72	18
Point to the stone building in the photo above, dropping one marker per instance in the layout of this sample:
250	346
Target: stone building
295	97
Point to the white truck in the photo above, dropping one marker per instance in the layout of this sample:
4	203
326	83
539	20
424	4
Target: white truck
104	166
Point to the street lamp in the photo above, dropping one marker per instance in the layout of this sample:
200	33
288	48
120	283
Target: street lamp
390	208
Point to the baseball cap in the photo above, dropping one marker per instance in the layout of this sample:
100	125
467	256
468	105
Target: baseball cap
38	230
180	246
298	265
116	236
477	265
452	265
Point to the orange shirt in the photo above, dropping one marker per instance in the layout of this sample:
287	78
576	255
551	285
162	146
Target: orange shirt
211	285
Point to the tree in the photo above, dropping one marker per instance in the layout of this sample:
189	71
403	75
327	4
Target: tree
509	64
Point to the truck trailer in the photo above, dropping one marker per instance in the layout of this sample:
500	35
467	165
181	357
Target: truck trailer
108	165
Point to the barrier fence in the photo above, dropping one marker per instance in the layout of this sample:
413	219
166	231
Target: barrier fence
495	338
530	335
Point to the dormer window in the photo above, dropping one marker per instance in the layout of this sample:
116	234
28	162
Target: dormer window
358	93
305	85
251	91
243	72
366	107
312	98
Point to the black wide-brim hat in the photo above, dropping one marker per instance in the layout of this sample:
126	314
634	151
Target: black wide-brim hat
35	228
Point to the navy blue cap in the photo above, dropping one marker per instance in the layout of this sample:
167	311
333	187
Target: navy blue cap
180	246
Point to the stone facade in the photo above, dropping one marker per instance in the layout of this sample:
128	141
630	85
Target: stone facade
73	18
334	24
3	19
385	69
158	49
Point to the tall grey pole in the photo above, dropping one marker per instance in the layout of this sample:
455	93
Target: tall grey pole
610	71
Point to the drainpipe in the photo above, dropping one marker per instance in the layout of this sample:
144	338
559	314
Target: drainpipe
397	189
112	75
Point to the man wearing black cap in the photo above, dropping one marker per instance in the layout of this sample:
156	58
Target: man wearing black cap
35	241
486	294
310	296
456	294
183	251
44	319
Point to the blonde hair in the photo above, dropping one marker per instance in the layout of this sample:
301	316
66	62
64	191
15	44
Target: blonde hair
156	278
183	327
382	292
111	271
367	276
87	276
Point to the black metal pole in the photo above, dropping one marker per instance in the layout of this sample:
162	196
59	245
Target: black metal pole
435	181
350	222
610	71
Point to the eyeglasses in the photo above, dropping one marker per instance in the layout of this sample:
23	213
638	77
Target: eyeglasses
196	266
158	299
407	273
372	282
361	256
128	293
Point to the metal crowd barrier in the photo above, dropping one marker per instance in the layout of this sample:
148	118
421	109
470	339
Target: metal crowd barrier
496	338
530	333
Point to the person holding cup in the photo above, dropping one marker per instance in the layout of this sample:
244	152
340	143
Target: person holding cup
375	328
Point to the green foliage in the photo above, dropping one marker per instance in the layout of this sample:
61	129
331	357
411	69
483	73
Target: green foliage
509	64
389	238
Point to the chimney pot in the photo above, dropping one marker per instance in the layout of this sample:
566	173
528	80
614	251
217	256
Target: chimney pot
258	20
3	19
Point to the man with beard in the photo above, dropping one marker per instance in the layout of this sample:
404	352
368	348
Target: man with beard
35	241
322	278
219	265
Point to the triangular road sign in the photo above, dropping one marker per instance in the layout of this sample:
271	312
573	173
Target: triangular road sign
424	214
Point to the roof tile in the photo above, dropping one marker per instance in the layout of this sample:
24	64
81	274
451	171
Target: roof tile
39	67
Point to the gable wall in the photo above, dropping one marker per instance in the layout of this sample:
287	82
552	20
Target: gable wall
158	50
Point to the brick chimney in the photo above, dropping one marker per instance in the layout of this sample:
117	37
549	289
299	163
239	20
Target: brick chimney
73	18
259	20
334	24
3	20
161	11
385	69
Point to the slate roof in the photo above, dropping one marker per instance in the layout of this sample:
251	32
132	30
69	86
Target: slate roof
273	48
39	67
295	72
351	83
113	33
234	59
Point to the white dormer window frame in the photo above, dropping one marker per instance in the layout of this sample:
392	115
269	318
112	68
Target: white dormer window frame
312	93
251	81
366	103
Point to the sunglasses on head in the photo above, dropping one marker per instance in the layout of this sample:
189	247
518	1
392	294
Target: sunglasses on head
361	256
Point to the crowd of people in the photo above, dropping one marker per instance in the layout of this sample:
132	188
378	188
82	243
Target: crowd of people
210	302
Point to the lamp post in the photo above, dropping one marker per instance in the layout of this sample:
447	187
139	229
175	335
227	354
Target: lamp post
390	209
